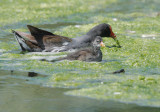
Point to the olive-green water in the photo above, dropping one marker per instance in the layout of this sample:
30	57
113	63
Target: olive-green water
17	95
81	86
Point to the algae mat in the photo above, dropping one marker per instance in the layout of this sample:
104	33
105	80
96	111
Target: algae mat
137	28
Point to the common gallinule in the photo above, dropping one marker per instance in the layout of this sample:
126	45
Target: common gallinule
92	53
48	41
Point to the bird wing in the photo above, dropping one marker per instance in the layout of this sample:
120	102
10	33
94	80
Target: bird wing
79	55
45	38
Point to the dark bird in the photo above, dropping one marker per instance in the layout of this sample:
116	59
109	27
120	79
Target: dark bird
118	71
40	40
92	53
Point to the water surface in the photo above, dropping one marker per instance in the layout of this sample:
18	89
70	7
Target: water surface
16	94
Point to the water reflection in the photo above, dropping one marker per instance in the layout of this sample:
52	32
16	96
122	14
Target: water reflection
29	74
32	74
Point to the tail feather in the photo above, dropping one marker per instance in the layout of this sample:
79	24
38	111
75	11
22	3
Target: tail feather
21	41
27	36
36	31
38	34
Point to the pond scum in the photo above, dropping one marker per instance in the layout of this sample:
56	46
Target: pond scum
137	28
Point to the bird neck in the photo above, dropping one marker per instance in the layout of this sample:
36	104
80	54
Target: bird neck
96	49
94	33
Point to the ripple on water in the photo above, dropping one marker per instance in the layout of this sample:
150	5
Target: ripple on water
151	36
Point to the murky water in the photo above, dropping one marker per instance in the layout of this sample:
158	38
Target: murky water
17	95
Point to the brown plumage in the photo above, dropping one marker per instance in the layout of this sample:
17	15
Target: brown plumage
47	39
27	45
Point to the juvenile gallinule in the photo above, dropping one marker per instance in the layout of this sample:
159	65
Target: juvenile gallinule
93	53
48	41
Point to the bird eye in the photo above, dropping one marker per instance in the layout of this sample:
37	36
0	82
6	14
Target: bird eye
98	41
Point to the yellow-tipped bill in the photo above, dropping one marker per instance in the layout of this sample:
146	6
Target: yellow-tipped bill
102	44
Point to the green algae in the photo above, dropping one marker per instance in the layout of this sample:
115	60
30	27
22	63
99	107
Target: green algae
128	91
38	10
139	55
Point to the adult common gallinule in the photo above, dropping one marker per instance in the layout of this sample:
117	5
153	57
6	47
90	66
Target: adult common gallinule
93	53
48	41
